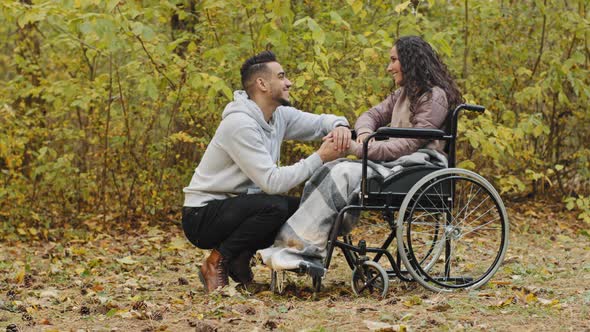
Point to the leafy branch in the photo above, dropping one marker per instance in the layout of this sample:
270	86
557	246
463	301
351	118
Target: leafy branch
156	65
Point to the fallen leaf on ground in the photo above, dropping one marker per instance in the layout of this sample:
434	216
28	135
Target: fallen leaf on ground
383	327
127	260
51	292
440	307
548	302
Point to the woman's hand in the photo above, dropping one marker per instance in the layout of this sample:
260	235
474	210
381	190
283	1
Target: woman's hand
361	138
341	138
354	146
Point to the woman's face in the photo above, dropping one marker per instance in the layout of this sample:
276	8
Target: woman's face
395	67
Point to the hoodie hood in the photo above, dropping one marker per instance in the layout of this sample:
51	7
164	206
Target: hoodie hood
243	104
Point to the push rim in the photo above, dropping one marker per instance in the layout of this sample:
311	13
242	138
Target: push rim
464	256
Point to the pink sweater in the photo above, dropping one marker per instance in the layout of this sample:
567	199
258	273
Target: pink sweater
430	111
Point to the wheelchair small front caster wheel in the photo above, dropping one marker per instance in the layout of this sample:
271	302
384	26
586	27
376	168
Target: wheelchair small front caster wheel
370	280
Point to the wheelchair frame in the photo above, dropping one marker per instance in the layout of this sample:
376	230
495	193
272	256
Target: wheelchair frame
424	198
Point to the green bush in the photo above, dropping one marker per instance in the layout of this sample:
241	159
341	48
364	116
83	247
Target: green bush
107	106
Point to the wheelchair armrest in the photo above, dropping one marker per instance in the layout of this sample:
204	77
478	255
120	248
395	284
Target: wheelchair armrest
385	132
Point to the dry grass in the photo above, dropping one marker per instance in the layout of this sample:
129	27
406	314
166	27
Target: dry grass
93	280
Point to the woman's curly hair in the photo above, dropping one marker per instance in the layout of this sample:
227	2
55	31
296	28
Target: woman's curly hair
422	70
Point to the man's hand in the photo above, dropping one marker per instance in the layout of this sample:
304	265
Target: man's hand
328	151
341	138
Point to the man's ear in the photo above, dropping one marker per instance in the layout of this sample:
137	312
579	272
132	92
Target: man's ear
261	84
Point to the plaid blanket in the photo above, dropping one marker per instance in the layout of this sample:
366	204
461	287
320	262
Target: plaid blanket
302	241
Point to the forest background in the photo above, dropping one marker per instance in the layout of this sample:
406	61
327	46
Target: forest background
106	107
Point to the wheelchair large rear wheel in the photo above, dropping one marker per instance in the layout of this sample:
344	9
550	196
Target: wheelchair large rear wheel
452	230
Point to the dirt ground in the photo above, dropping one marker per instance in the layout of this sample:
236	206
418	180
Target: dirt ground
143	278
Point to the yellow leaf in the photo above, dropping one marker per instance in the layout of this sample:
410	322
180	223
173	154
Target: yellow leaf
401	7
467	164
506	302
78	251
178	243
182	137
20	276
530	298
127	260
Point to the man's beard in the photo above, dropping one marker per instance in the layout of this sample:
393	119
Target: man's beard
284	102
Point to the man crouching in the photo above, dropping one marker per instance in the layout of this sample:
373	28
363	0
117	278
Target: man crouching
233	204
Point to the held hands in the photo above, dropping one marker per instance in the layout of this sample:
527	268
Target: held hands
340	136
357	144
338	143
329	151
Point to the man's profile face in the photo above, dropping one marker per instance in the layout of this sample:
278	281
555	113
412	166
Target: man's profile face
279	84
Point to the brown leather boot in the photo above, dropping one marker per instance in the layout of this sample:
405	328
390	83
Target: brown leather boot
213	272
239	268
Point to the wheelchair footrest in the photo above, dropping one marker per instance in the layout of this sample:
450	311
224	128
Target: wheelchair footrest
314	270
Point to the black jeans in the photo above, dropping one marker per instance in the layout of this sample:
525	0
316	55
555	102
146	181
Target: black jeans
236	224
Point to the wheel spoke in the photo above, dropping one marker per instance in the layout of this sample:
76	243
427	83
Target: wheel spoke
455	231
370	279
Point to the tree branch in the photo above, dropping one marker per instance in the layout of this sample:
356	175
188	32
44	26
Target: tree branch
212	27
466	37
542	42
156	66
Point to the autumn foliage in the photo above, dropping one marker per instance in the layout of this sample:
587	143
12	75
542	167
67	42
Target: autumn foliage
107	106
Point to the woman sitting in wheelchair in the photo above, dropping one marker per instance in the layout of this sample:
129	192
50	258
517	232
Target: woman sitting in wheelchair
451	228
424	96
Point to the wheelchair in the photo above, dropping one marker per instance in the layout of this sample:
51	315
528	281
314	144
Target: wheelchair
449	225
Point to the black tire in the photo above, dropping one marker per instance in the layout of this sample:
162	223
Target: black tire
453	229
370	279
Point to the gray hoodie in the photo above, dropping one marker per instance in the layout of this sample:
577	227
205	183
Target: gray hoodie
243	154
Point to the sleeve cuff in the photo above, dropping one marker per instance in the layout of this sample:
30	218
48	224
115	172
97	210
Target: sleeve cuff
357	150
314	161
360	131
341	122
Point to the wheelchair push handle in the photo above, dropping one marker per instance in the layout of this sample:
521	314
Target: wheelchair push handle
471	107
455	115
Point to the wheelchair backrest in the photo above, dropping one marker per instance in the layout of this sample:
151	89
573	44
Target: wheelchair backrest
451	129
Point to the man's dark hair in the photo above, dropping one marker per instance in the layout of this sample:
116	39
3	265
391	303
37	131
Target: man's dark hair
255	65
